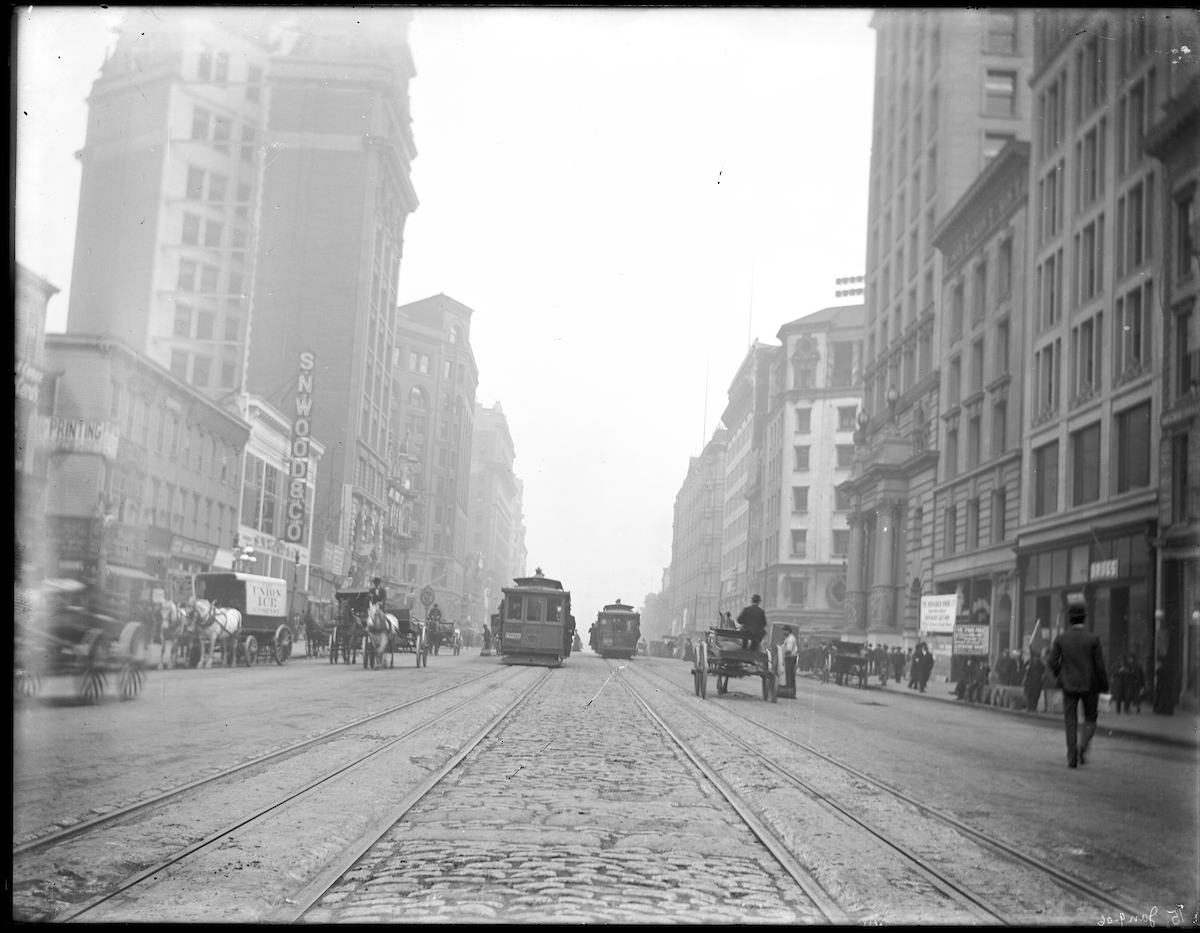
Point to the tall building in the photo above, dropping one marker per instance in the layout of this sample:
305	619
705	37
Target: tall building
335	194
1175	141
492	514
744	417
166	233
950	91
696	539
812	413
434	382
520	552
1098	276
977	499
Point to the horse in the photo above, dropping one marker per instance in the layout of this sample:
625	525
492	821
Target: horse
382	629
314	637
170	623
212	624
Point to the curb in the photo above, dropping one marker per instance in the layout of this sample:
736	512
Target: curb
1047	719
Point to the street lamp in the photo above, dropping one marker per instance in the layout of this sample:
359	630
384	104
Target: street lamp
863	419
893	396
244	556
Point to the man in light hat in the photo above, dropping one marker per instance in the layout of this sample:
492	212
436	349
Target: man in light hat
1077	660
753	621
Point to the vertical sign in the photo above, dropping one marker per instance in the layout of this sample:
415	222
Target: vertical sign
293	529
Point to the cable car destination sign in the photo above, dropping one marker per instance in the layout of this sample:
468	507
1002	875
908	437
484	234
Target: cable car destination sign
293	529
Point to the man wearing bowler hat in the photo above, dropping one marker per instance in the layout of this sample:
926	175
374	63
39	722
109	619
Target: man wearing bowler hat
753	621
1077	660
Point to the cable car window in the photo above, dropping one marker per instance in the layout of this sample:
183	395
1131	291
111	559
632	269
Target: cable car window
533	608
553	609
514	607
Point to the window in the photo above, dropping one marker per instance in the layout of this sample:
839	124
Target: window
253	80
1045	479
205	321
974	442
208	279
187	276
999	517
1131	340
801	458
1184	244
221	72
216	187
204	66
950	530
179	361
845	456
233	326
1134	226
1089	260
1004	268
1085	358
843	374
1085	465
954	382
976	374
799	542
1186	361
221	132
1183	498
972	524
951	462
957	300
212	234
1133	448
1000	88
846	418
799	498
1001	32
798	592
183	321
841	499
200	121
841	542
1049	291
1045	374
191	230
999	428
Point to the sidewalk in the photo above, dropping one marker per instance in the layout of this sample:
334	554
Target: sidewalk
1180	729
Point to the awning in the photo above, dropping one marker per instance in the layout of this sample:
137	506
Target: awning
130	574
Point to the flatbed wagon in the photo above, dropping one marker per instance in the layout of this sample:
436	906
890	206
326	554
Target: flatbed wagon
720	655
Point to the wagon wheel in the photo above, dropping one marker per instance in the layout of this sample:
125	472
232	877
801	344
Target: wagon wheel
283	644
251	650
129	680
92	682
131	646
26	683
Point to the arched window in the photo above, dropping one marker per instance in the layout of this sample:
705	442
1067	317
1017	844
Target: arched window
417	397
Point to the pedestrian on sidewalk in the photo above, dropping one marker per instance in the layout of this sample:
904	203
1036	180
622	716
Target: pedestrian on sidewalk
1135	686
926	667
1032	684
1077	660
791	652
897	660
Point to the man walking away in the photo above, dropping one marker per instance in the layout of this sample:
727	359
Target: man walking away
926	666
1034	672
1078	662
753	621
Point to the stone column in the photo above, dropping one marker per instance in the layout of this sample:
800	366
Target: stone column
883	592
856	610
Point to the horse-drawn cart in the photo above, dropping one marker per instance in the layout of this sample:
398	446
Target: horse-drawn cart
53	635
261	606
845	662
720	654
392	631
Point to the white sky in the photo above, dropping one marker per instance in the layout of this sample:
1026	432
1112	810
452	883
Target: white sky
606	189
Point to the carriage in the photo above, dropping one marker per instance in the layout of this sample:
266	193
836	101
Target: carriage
535	622
844	662
444	632
406	635
617	631
318	636
55	634
262	604
721	654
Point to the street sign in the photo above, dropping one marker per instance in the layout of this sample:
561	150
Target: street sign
427	596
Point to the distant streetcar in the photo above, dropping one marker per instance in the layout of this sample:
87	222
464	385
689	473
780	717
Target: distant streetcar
535	625
617	631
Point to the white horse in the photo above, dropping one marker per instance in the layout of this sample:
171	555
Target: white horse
382	629
170	628
213	624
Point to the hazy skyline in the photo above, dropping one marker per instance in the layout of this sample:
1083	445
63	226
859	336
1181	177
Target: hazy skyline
625	198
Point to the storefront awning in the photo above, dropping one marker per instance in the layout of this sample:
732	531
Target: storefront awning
130	574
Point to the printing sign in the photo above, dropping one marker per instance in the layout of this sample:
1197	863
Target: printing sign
293	529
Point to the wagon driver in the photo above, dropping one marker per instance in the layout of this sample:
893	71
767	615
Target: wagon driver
753	621
377	594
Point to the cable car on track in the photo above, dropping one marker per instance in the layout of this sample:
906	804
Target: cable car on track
617	631
535	622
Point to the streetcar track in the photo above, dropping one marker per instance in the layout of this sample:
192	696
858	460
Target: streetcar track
246	820
297	906
89	825
962	895
788	862
1063	879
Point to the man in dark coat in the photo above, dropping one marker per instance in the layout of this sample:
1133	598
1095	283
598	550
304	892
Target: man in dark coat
753	621
1032	682
926	667
1077	660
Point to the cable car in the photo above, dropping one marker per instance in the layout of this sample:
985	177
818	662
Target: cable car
535	622
617	631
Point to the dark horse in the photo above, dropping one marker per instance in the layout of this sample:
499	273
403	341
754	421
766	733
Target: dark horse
347	637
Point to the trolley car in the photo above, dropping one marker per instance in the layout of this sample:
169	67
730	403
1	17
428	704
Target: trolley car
618	630
536	625
262	601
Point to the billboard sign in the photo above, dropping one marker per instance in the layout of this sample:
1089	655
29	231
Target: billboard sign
81	436
266	597
937	614
293	528
971	640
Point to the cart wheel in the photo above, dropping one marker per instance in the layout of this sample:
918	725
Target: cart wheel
251	649
129	681
92	682
131	646
26	683
283	644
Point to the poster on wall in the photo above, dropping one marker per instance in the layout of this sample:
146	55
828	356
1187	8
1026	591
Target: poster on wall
937	614
971	640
